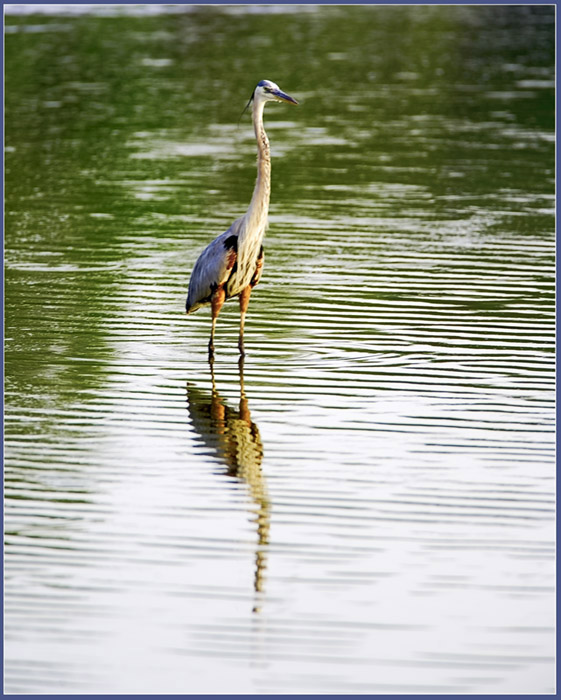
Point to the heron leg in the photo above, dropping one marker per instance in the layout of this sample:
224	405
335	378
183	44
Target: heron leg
216	302
244	303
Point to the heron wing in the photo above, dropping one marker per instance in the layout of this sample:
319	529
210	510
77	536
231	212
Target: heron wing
213	268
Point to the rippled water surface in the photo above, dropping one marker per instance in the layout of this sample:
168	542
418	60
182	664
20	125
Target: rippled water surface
366	505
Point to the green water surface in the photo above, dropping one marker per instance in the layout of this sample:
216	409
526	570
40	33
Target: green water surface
366	506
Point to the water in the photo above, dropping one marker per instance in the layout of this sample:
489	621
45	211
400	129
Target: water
366	505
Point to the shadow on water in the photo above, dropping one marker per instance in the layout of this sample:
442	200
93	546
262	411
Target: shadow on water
233	439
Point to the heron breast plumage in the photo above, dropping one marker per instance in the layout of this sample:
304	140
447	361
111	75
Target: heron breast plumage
231	260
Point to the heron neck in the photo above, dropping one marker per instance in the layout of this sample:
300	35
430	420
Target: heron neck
259	206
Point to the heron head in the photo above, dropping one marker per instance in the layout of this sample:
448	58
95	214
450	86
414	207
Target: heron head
267	91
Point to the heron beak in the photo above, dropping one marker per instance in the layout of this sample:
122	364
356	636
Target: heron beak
283	97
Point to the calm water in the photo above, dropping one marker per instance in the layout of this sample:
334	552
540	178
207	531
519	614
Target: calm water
367	505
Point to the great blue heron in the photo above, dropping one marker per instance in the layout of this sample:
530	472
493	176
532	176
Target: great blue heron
231	265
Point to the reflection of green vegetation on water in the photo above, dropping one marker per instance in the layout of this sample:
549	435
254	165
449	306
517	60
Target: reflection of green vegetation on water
122	140
399	352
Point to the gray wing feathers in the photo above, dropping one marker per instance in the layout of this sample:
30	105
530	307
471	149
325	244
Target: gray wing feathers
212	269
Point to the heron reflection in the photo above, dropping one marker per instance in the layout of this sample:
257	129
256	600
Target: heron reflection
234	439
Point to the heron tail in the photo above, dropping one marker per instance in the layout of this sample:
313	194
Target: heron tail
191	308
